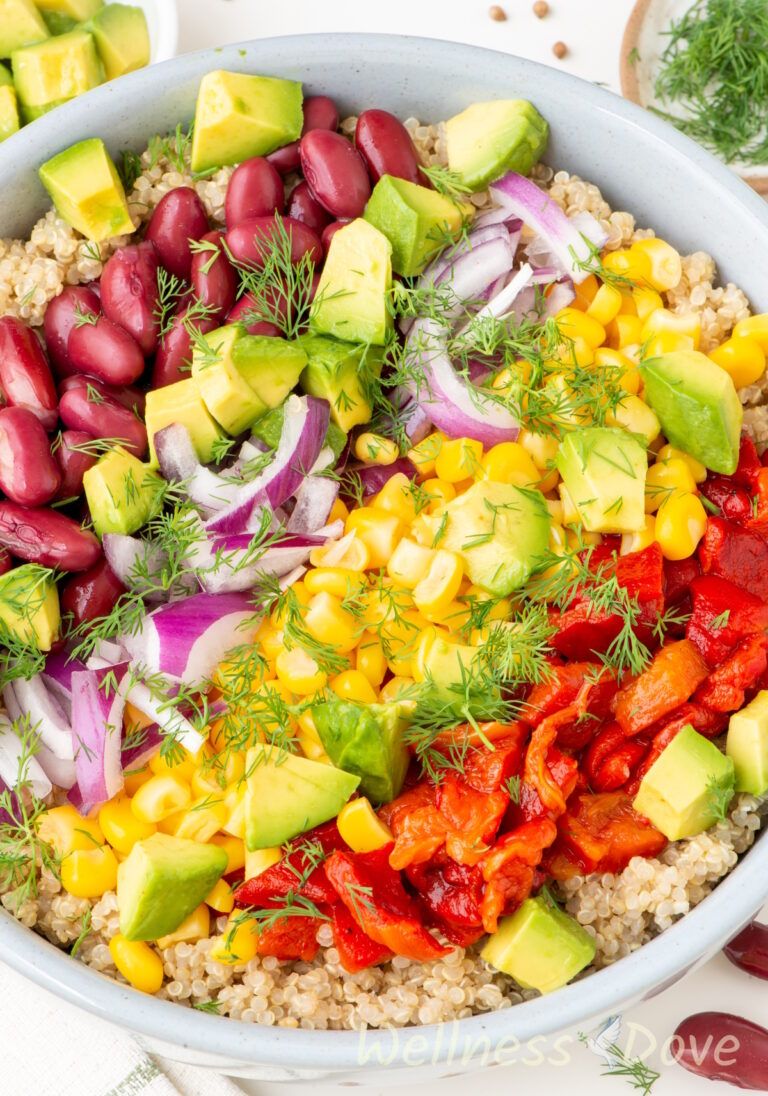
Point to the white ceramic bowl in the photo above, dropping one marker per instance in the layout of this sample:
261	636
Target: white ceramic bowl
163	20
642	165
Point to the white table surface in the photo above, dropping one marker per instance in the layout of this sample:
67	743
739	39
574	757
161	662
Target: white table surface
592	30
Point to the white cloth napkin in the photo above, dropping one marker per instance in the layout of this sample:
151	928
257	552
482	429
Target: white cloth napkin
50	1048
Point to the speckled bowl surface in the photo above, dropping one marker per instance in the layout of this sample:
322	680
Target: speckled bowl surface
642	165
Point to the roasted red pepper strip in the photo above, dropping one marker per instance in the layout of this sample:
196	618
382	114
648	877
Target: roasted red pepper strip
356	950
419	834
601	833
508	868
375	897
472	818
536	771
722	616
674	674
489	770
726	687
678	576
611	758
563	769
749	466
299	872
733	502
290	938
451	894
561	687
736	553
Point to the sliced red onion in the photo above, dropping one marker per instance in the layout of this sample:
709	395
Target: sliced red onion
97	727
455	408
135	756
13	769
374	476
57	675
46	714
314	501
571	241
166	715
106	654
560	297
179	464
545	275
223	563
187	639
498	214
60	771
137	563
305	424
470	273
501	305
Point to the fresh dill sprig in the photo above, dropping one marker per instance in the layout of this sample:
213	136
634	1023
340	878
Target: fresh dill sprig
85	931
175	148
446	182
213	1006
640	1077
129	168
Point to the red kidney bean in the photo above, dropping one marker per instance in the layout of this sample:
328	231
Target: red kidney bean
723	1047
255	190
247	241
91	595
106	351
47	537
749	950
29	474
214	279
103	418
258	327
59	319
329	232
286	159
335	172
320	112
174	355
304	207
386	146
128	395
6	561
25	376
178	218
73	464
129	293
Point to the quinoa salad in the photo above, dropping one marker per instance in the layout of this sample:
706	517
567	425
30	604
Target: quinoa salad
383	565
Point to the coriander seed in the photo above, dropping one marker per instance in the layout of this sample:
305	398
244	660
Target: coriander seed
497	14
541	9
560	50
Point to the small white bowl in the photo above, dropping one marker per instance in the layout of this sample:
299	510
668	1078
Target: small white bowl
163	20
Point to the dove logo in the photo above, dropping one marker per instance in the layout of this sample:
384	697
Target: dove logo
604	1043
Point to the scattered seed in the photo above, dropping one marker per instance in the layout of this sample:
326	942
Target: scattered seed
541	9
560	50
497	14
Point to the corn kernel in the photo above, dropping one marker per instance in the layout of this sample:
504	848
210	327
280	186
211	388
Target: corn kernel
353	685
666	479
350	552
743	359
374	449
681	323
441	583
631	263
195	926
396	689
361	828
233	847
379	532
370	659
667	342
160	797
65	829
339	581
206	782
299	672
666	268
221	897
605	306
409	563
583	325
134	778
643	538
260	860
541	448
570	409
271	640
205	817
509	462
440	492
397	497
423	455
624	330
680	524
696	468
237	944
234	801
339	511
89	873
586	291
329	623
754	327
458	459
646	301
632	414
556	510
512	377
570	511
120	825
176	764
141	967
615	360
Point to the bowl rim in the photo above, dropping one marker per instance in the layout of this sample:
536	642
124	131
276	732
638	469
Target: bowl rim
644	972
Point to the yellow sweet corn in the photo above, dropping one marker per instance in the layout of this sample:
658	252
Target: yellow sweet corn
205	817
666	268
397	497
134	778
441	583
409	563
141	967
395	689
458	459
121	827
271	640
309	739
339	511
680	524
646	300
350	553
196	926
585	292
570	513
605	306
65	829
668	478
424	454
237	944
583	325
666	342
754	327
329	623
696	468
576	350
233	847
379	532
541	448
176	764
160	797
370	659
361	828
221	897
679	323
509	462
439	491
259	860
742	358
299	672
631	263
339	581
607	358
512	377
235	803
89	873
632	414
374	449
624	331
643	538
353	685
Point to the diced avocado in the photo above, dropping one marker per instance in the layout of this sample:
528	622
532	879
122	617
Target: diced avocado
226	393
286	795
55	71
73	9
29	605
449	670
271	366
367	740
604	469
240	116
269	428
540	946
58	23
21	24
747	745
342	374
6	80
697	405
87	191
182	403
487	139
9	112
122	493
501	532
416	221
122	38
162	880
688	787
352	300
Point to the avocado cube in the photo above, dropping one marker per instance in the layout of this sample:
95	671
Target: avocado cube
352	300
239	116
416	221
162	880
747	745
86	190
55	71
697	405
500	531
77	10
122	493
286	795
488	139
688	786
539	946
181	403
29	606
58	23
343	375
9	112
122	38
6	80
604	469
21	24
271	366
366	740
225	392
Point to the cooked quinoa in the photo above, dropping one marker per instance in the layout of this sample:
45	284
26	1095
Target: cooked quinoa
621	911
